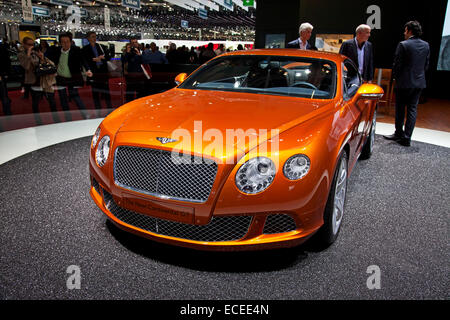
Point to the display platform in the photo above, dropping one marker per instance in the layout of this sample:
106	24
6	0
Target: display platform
396	218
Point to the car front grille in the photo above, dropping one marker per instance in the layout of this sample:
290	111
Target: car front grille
156	172
219	229
279	223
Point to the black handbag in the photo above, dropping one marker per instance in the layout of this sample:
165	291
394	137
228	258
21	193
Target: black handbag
45	68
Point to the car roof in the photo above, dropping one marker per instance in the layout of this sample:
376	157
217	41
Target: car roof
336	57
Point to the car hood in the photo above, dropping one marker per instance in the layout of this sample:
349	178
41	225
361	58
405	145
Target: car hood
202	110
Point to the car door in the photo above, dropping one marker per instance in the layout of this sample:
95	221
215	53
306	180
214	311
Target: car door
359	108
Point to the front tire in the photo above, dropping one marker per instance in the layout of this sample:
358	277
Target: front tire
334	209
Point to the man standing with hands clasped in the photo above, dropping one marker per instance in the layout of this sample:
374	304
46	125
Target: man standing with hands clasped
410	63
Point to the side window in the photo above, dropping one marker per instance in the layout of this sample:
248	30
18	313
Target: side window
351	79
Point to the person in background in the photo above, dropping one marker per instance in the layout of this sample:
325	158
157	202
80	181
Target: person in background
220	50
26	86
193	57
185	54
411	61
71	39
96	56
5	43
172	54
29	58
208	53
125	49
305	31
147	48
70	63
240	47
43	47
360	51
134	76
153	55
5	67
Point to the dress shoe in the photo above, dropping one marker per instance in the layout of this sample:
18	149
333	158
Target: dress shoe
404	142
393	137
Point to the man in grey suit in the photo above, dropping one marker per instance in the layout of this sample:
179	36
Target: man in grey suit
359	50
410	63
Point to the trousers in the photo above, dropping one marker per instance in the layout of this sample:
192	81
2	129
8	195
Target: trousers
406	99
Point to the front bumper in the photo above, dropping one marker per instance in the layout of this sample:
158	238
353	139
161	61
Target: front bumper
249	231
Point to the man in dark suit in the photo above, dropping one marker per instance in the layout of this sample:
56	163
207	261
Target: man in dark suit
305	32
411	60
359	50
96	56
69	62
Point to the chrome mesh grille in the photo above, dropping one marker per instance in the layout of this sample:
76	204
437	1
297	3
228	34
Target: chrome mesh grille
219	229
279	223
155	172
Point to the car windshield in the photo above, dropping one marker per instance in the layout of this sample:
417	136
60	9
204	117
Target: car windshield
276	75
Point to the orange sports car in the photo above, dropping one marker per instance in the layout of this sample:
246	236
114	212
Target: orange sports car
252	150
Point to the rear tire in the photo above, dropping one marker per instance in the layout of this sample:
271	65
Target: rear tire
334	209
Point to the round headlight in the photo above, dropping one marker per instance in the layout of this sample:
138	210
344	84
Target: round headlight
95	137
255	175
101	155
296	167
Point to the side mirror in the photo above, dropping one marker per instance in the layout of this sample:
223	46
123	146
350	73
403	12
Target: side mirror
369	91
180	78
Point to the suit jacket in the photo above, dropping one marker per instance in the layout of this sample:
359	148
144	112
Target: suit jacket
76	64
296	44
411	60
88	55
349	49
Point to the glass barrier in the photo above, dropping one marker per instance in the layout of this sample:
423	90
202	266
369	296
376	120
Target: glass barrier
28	106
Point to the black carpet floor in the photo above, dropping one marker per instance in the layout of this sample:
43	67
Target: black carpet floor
396	218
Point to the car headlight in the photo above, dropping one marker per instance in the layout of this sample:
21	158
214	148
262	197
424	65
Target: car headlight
255	175
95	137
101	155
296	167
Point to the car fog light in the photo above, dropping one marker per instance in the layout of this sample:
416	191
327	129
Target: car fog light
101	155
296	167
95	137
255	175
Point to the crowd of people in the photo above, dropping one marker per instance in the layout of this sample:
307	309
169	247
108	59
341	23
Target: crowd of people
136	57
65	67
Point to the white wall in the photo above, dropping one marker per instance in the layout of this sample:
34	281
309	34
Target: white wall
188	43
